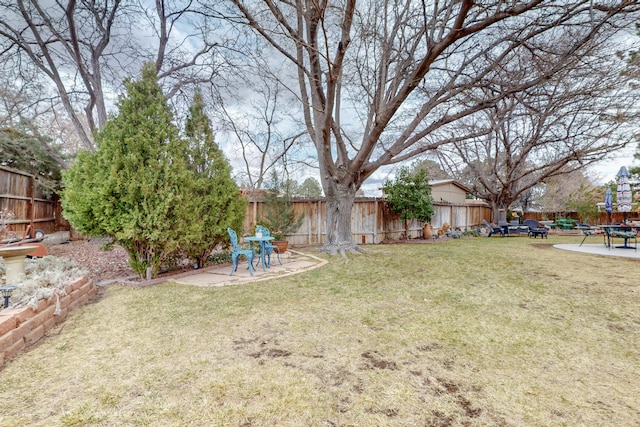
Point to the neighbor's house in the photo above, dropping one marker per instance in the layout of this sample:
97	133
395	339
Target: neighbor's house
452	206
448	190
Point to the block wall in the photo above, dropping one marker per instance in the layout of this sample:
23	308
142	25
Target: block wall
20	328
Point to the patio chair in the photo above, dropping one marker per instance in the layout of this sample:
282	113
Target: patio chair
511	228
588	230
237	251
535	229
268	247
627	234
493	229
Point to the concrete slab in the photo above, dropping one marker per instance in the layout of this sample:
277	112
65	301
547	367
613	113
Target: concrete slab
600	249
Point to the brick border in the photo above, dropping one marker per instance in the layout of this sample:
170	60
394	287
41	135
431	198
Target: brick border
21	328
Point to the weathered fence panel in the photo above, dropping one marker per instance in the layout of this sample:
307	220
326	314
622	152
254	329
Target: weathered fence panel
371	220
20	194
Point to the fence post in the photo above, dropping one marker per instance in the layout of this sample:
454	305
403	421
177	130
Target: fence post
309	221
318	220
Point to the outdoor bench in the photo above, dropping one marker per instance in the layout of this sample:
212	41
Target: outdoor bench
514	229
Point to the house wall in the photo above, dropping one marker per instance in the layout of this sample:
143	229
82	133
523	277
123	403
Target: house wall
448	192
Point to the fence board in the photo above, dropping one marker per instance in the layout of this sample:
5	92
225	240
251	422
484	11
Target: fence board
371	220
20	194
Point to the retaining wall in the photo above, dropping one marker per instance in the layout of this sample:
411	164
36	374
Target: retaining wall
21	328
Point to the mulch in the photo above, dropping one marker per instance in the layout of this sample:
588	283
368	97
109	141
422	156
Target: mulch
88	254
106	266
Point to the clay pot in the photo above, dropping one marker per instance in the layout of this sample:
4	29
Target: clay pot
281	244
427	231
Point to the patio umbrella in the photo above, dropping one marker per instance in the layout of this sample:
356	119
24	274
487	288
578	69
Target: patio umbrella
608	203
623	193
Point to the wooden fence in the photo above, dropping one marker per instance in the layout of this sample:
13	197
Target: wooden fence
20	194
371	220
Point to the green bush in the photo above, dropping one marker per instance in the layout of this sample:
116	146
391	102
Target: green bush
143	188
215	202
410	195
279	215
219	258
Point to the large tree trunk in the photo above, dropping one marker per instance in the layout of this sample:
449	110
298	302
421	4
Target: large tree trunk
406	229
494	211
340	200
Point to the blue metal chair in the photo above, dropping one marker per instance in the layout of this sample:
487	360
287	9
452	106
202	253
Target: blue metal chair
237	251
268	247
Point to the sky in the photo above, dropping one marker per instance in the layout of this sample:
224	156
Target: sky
606	170
601	173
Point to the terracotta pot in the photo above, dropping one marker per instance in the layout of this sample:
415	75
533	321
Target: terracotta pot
427	231
281	244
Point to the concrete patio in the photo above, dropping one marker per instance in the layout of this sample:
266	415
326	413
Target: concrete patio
600	249
293	262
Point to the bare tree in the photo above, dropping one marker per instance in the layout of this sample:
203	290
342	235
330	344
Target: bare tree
406	69
264	134
86	49
30	106
563	193
573	119
433	168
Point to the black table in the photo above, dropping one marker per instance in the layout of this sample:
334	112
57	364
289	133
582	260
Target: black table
535	232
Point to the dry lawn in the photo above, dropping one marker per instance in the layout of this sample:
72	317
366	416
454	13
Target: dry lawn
471	332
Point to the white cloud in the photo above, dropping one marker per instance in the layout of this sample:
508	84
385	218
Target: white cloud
606	170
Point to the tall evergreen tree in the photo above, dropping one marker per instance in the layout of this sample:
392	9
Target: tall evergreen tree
216	202
134	188
310	188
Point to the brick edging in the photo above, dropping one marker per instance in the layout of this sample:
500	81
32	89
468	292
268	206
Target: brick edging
21	328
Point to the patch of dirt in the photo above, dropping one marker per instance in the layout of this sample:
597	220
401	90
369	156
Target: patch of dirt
394	241
271	352
542	245
376	360
106	265
88	254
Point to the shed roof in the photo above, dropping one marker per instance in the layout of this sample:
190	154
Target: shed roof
439	182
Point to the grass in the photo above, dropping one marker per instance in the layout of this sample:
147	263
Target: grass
471	332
